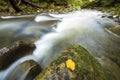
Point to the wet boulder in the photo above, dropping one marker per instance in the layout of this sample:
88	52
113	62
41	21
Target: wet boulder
24	71
116	18
115	29
10	54
75	63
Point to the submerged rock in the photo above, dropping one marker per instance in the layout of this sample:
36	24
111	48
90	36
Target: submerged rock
9	54
75	63
24	71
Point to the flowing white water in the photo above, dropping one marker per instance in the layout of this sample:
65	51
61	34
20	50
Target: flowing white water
86	28
9	74
82	27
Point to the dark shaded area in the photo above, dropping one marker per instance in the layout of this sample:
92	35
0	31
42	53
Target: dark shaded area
103	3
13	7
14	4
10	54
26	70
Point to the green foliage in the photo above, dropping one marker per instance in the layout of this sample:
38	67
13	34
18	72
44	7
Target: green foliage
35	0
68	3
74	3
62	6
105	2
2	7
113	10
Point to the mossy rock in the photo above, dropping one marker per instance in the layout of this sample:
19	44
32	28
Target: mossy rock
86	67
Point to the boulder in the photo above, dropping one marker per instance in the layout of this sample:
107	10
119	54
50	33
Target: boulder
75	63
115	29
24	71
10	54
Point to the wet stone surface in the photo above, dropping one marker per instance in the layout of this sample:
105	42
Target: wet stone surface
10	54
115	29
116	18
24	71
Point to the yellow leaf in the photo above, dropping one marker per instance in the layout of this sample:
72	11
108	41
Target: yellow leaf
70	64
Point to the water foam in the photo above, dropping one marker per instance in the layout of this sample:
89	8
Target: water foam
82	27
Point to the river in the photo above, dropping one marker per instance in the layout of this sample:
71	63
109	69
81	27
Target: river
52	33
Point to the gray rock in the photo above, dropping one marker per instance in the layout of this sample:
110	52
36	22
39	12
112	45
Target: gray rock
9	54
24	71
110	16
115	29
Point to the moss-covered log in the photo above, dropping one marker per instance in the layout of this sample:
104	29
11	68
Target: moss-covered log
86	67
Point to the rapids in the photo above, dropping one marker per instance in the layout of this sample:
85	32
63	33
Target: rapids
86	28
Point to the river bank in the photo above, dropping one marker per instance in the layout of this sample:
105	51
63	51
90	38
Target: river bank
52	8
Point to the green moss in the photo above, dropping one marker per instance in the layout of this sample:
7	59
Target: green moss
86	66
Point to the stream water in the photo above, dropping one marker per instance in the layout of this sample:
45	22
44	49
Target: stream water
55	32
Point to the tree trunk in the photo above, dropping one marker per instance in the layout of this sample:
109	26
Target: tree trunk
13	7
